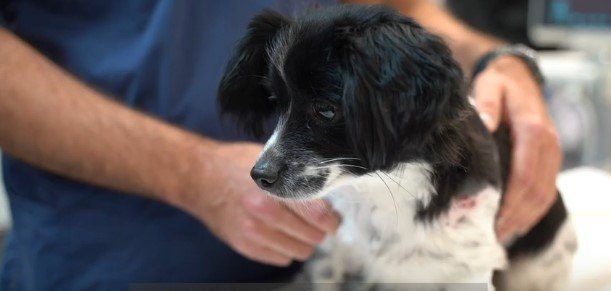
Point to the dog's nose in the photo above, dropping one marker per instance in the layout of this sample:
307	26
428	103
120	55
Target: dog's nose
265	175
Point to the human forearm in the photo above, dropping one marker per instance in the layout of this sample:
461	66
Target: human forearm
53	121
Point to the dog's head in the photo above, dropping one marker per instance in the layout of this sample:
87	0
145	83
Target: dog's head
356	89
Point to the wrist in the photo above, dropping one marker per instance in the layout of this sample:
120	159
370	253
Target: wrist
196	164
510	54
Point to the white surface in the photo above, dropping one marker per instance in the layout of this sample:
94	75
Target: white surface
587	194
5	215
577	66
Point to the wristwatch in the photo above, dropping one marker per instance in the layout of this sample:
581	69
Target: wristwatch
523	52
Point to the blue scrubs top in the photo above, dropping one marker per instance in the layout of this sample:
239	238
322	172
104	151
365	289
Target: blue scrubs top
162	57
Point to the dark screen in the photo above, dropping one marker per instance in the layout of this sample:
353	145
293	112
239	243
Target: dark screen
590	13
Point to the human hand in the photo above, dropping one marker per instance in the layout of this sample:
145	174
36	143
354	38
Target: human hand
506	91
252	223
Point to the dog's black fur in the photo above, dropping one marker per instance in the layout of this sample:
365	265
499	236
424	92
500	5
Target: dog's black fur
371	85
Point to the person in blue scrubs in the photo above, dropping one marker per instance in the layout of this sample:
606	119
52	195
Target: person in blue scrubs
118	167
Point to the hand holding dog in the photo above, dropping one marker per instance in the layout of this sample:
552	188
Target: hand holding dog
255	225
507	92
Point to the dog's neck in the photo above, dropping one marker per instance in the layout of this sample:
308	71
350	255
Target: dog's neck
399	193
464	159
416	195
459	161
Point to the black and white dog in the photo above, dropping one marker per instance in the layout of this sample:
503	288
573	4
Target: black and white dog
373	115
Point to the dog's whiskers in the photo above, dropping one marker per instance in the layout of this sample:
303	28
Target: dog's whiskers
399	184
331	166
393	199
431	200
337	159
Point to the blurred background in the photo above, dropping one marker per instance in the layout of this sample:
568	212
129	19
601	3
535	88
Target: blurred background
574	41
575	38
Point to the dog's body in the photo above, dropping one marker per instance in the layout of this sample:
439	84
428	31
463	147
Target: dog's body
373	116
380	242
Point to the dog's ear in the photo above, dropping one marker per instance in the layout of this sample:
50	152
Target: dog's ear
400	85
241	91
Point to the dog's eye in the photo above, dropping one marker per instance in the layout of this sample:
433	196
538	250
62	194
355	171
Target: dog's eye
272	97
325	110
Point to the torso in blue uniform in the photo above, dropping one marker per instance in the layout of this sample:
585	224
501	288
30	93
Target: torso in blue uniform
163	57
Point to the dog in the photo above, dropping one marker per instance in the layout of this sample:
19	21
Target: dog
372	114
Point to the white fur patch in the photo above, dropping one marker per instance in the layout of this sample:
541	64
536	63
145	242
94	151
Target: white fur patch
273	140
380	238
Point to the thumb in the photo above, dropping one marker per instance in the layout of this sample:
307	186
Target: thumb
488	101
